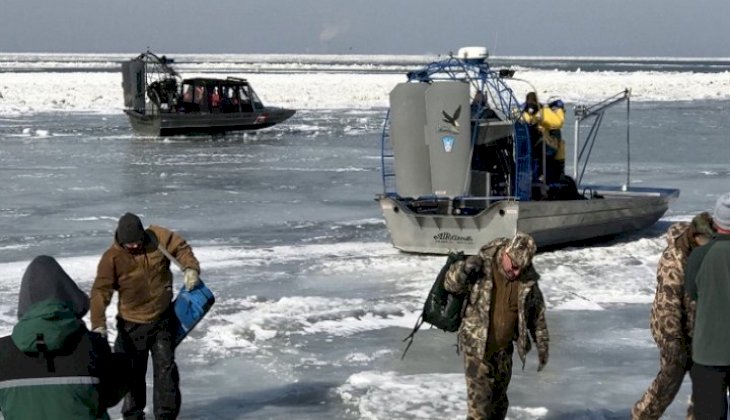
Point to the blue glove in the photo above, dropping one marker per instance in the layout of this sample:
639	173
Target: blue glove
557	104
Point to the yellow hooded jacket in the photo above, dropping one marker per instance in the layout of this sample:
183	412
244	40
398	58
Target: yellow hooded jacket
547	120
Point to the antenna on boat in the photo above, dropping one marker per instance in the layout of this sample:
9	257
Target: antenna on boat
627	93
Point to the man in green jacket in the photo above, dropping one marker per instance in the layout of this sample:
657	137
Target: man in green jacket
708	282
52	367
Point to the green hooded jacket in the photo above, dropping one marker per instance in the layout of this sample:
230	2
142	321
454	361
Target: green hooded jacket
52	367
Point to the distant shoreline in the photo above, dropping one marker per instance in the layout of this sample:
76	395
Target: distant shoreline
369	64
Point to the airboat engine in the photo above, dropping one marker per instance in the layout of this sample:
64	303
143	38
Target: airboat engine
133	83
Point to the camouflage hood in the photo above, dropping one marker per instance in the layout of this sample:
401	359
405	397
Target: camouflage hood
681	235
676	237
521	250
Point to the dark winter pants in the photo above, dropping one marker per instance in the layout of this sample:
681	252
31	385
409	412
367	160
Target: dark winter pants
137	341
661	392
709	391
487	380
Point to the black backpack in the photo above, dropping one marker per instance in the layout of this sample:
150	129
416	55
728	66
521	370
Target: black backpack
442	308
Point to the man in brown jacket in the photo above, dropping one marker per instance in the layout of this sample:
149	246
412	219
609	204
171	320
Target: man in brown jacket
672	317
139	272
504	305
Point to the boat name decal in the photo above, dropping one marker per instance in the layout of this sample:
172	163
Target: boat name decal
448	142
443	237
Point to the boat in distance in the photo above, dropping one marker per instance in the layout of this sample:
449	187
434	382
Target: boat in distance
159	102
458	168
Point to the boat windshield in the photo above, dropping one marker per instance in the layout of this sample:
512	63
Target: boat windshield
217	96
255	98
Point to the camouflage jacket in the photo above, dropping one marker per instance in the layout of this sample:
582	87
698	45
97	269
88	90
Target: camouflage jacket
474	325
672	312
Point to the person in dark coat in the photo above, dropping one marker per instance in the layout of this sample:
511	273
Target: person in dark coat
136	268
708	283
52	366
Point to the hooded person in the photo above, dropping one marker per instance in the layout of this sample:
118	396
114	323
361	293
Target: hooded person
548	147
136	268
51	366
504	308
671	319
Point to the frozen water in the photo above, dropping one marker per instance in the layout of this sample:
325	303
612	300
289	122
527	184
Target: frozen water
312	300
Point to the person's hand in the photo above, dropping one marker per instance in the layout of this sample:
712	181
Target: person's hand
472	264
100	330
472	268
543	358
674	352
191	278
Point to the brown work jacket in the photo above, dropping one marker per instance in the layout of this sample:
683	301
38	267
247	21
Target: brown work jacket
143	280
503	312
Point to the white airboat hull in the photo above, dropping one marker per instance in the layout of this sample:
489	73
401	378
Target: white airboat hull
549	222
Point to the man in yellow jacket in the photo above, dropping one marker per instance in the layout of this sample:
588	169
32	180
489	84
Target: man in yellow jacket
139	272
545	122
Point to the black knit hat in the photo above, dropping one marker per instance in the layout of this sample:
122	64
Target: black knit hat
130	229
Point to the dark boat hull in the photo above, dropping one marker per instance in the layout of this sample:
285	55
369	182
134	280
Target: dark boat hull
170	124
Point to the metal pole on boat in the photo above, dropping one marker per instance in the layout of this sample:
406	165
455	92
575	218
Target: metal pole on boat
544	161
575	148
627	93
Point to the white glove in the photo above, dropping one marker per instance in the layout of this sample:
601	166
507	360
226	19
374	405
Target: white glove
101	331
191	278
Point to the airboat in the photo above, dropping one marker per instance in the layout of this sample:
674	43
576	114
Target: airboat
159	102
459	172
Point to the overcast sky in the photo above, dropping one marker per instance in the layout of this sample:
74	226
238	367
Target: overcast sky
508	27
